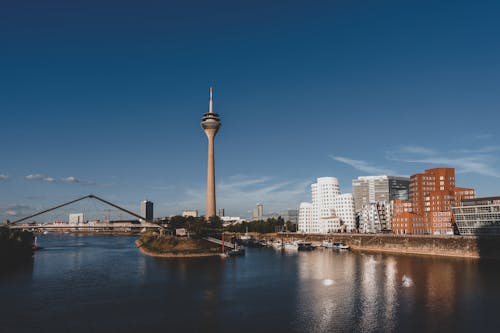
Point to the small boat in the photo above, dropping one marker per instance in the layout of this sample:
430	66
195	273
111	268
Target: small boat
277	245
240	251
305	246
291	246
327	244
340	246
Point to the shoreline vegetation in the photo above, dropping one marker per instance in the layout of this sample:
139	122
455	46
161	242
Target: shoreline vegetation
176	247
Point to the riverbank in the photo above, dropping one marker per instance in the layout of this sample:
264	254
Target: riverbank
176	247
448	246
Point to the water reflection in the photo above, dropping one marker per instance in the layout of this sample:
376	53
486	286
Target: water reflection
318	291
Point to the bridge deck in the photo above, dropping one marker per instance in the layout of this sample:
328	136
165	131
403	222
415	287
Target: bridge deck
218	241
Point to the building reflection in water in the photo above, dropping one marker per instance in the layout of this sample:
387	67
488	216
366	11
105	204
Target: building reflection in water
324	291
371	292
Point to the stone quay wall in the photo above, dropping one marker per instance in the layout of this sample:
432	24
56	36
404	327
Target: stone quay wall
453	246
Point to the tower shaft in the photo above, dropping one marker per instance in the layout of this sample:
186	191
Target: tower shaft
210	124
210	175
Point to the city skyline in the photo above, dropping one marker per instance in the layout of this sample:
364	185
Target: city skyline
106	100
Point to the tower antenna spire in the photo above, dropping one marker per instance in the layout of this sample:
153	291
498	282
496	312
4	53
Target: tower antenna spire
211	104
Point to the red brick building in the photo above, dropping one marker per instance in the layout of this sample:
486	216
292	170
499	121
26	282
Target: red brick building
428	210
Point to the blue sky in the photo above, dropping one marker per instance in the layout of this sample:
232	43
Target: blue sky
106	97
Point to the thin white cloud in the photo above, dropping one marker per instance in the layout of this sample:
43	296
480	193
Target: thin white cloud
74	180
34	177
4	177
417	150
239	194
363	166
483	136
70	180
479	161
39	177
11	212
480	150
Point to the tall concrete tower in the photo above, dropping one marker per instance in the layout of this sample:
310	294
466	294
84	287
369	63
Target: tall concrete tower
210	124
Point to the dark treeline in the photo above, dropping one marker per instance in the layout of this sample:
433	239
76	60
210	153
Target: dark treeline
198	225
267	226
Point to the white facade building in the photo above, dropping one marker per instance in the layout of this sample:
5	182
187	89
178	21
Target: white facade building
375	217
75	218
190	212
329	211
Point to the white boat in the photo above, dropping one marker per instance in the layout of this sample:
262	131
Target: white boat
291	246
340	246
327	244
277	245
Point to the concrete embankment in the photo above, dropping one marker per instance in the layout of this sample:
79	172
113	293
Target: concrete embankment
452	246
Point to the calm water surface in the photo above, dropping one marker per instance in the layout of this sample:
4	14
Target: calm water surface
85	283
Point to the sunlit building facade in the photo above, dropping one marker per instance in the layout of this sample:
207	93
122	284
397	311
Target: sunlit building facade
330	211
428	210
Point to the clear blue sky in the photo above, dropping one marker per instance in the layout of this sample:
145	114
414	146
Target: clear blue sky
106	97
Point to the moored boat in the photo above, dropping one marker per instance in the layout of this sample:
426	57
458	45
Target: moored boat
303	246
340	246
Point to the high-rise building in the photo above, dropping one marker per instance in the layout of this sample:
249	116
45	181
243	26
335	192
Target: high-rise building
479	216
221	212
428	210
258	212
370	189
75	218
210	124
330	211
375	217
147	210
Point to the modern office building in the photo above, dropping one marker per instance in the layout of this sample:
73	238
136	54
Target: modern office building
370	189
258	212
210	124
428	210
479	216
375	217
330	211
147	210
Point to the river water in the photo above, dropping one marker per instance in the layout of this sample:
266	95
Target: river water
97	283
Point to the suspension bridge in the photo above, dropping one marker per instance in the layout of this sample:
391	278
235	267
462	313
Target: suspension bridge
143	222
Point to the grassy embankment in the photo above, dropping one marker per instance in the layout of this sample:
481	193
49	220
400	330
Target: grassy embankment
168	246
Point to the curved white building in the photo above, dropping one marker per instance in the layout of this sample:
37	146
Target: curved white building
330	211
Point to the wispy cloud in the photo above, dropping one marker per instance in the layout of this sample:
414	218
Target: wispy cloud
479	161
14	211
483	136
239	194
480	150
39	177
74	180
4	177
363	165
